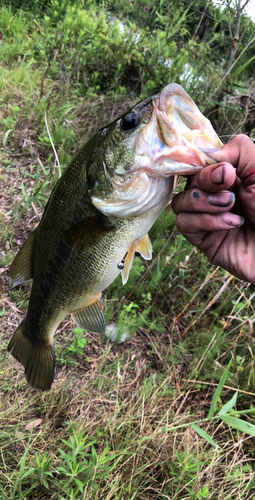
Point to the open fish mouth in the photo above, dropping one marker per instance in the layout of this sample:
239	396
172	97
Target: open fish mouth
174	140
176	137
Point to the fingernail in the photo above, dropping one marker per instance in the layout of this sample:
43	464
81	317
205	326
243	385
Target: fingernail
217	175
224	199
232	219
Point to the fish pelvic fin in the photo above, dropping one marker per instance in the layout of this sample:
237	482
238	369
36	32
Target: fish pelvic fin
37	359
21	267
91	316
144	247
128	262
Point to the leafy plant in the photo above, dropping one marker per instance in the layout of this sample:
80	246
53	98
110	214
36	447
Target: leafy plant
81	466
68	68
79	342
184	470
43	471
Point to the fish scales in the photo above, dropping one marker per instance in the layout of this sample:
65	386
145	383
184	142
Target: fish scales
98	215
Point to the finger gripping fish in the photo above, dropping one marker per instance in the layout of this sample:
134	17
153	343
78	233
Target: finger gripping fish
98	216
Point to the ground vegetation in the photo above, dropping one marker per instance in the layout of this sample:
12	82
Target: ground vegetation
169	413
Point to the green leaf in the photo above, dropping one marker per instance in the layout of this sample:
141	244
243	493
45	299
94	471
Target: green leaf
239	70
79	484
45	483
204	435
242	89
251	484
5	138
239	424
218	391
223	105
228	405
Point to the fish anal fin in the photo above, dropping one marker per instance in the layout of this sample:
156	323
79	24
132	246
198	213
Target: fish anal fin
21	267
128	262
144	247
89	231
37	359
91	316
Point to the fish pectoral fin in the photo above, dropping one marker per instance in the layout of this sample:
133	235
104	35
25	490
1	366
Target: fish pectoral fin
88	232
144	247
128	262
21	268
37	359
91	316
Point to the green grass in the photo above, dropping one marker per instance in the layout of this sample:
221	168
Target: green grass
123	438
136	402
120	420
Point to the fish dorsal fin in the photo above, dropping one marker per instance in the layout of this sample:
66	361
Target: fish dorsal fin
128	262
21	267
91	316
89	231
144	247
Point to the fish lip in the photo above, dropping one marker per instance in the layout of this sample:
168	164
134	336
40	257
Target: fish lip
177	133
170	90
165	101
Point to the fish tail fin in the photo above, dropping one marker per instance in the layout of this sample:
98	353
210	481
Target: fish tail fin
38	360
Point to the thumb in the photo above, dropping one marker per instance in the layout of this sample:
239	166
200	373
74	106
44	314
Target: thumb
240	152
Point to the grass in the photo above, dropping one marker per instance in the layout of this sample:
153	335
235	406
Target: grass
120	420
131	405
115	439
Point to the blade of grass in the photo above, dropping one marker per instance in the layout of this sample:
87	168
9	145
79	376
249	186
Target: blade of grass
204	435
230	404
218	391
239	424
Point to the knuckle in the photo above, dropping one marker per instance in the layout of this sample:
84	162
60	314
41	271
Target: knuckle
181	222
241	138
175	202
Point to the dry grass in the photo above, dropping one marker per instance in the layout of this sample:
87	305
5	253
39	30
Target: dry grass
127	413
139	398
125	395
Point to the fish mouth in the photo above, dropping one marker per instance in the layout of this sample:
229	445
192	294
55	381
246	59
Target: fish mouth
177	139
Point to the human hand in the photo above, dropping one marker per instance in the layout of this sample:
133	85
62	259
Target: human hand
226	237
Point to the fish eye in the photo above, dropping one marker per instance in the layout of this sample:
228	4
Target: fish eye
130	121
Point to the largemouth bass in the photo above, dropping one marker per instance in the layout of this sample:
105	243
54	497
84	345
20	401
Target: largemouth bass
98	215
